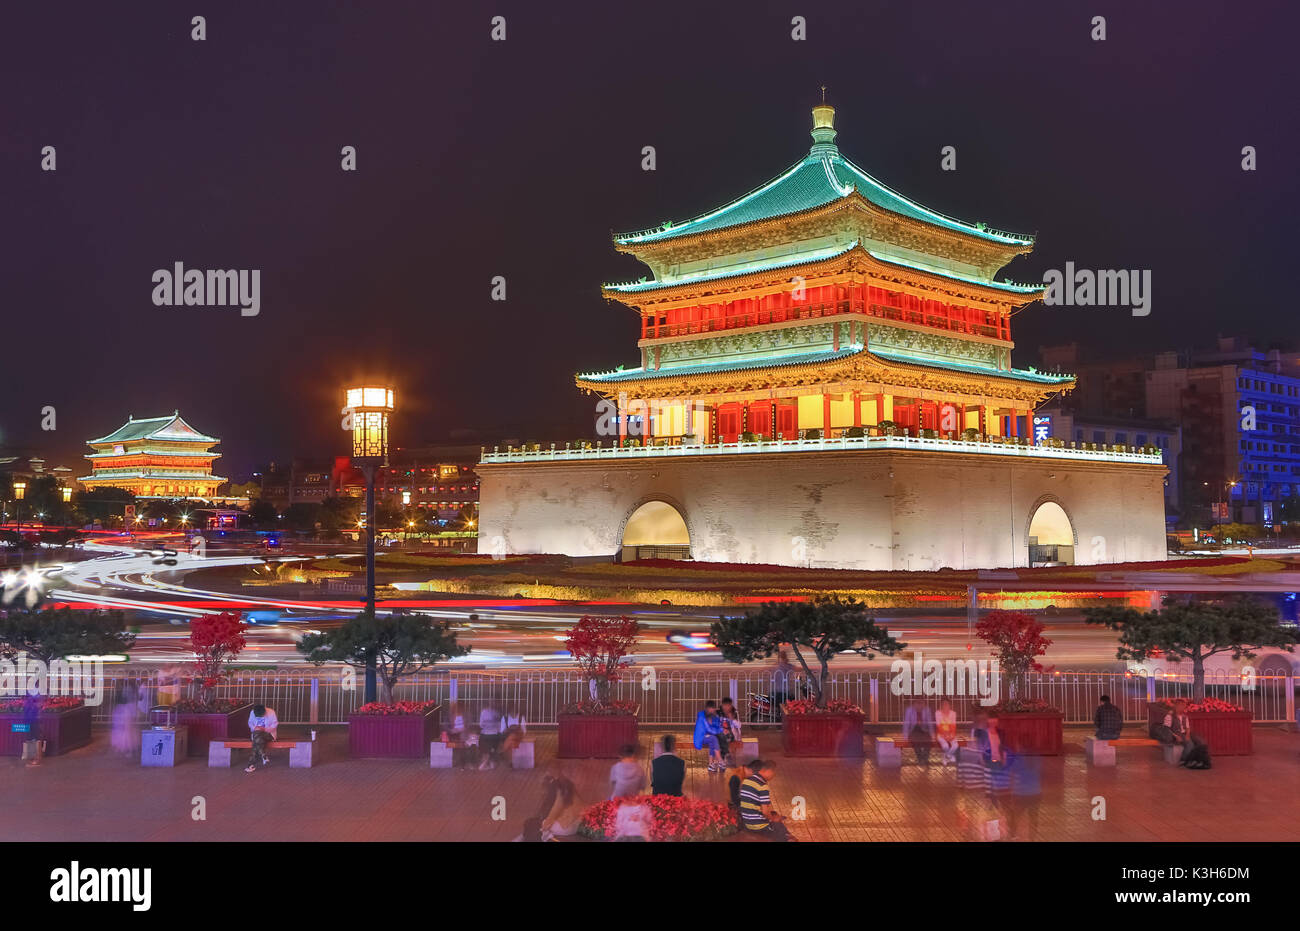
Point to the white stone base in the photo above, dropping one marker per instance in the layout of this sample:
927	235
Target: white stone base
1098	752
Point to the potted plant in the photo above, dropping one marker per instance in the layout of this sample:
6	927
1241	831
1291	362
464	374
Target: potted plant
398	645
1195	631
1029	725
598	726
46	637
216	640
824	627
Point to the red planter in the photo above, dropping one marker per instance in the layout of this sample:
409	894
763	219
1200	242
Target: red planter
599	736
1033	733
204	728
393	735
61	730
822	735
1226	733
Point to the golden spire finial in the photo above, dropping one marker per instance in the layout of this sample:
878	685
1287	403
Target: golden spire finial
823	93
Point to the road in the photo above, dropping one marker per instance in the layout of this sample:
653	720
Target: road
158	599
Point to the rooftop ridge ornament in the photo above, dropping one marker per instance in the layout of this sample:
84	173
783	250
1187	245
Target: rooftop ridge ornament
823	131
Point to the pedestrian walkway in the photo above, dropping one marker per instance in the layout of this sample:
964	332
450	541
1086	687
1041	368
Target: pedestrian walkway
92	795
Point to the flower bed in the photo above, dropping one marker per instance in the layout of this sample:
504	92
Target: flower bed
219	719
1226	728
835	730
672	819
598	734
397	707
64	724
1030	726
396	729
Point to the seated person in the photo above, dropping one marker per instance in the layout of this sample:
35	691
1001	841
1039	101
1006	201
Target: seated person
668	770
1108	719
262	725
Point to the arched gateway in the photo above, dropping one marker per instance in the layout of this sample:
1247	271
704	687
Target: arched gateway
656	530
1051	536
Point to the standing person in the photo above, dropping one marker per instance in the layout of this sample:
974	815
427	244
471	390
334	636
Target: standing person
126	729
918	728
946	731
781	675
262	726
489	735
756	812
731	727
33	750
1026	793
1108	720
626	777
668	770
560	810
707	731
993	746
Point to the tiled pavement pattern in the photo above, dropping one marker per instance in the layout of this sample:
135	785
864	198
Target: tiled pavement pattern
91	794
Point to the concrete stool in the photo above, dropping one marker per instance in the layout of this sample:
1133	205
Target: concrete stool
1173	753
524	755
440	755
748	749
888	756
1098	752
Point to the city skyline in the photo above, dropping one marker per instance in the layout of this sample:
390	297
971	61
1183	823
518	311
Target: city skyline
388	271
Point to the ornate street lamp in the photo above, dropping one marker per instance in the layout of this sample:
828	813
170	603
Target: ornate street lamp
366	409
66	491
20	490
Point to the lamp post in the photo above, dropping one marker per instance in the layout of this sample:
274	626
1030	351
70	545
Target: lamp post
20	489
367	409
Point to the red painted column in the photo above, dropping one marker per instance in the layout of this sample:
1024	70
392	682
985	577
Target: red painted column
826	416
857	409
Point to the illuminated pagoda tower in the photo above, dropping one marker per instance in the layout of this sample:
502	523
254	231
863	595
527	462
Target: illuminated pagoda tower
157	457
825	378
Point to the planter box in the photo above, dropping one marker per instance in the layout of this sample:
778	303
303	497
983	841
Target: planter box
61	730
822	735
1033	733
598	736
1227	733
393	735
202	728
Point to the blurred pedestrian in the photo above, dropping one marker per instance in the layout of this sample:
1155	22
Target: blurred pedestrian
489	735
126	726
1026	794
626	777
918	728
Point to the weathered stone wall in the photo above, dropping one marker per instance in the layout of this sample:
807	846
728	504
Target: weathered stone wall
860	509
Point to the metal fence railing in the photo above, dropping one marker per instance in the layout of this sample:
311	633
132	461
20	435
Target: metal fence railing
671	697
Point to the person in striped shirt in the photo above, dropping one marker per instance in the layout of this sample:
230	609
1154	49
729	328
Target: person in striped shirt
756	814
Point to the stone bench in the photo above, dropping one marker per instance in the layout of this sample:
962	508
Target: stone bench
300	751
748	749
889	750
1100	752
443	755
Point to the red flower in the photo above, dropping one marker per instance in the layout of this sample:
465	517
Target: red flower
397	707
833	706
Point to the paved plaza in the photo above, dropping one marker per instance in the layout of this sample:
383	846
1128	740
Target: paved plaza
93	795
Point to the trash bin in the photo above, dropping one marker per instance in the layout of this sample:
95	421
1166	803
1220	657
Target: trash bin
33	752
163	746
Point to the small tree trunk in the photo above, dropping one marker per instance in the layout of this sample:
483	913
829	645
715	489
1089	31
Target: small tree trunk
1198	676
821	684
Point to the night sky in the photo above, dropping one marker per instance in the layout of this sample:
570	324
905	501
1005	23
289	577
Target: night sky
518	158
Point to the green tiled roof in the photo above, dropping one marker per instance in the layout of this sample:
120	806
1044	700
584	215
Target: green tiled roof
734	271
816	180
803	258
170	427
800	358
1042	378
700	368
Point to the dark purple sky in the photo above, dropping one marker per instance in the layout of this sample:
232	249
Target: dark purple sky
480	158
